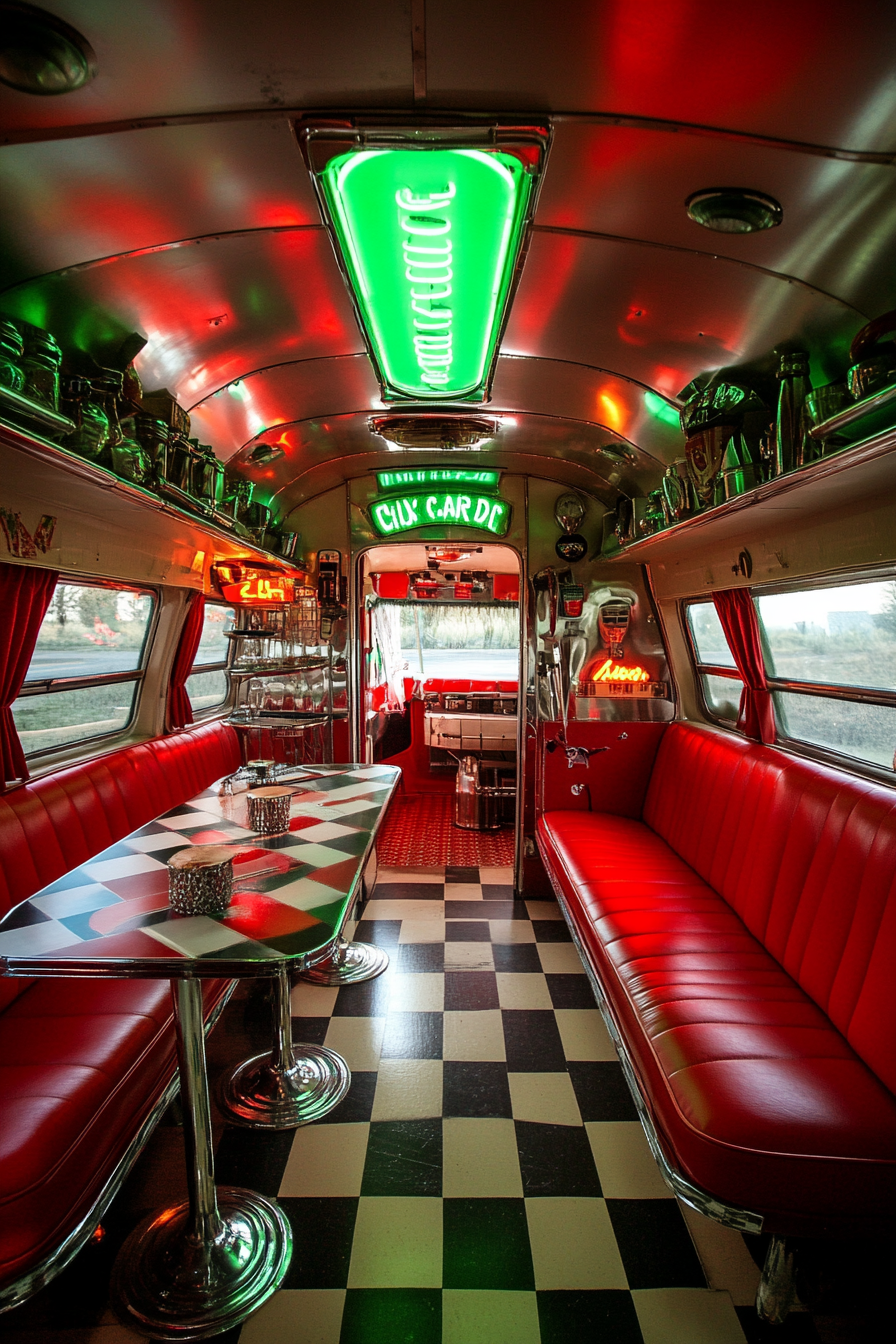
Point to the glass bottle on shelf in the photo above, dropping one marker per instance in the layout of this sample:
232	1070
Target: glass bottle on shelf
91	430
40	364
12	351
793	378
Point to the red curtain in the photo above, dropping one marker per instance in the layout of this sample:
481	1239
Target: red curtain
180	712
738	616
25	594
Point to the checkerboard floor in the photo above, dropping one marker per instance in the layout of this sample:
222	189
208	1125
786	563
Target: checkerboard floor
485	1181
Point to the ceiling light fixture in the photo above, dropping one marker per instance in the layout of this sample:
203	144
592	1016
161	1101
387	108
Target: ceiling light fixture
734	210
39	53
424	433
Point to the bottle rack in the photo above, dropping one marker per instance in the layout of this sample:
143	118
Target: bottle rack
286	683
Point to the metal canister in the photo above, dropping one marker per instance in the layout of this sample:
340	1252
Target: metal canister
12	351
200	879
475	808
91	431
40	364
269	809
153	435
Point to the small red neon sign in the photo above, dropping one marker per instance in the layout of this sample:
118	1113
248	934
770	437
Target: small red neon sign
610	671
259	588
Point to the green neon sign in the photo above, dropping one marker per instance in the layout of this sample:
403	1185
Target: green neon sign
401	513
429	238
403	480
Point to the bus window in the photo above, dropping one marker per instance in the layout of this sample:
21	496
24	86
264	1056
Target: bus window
207	684
86	668
720	681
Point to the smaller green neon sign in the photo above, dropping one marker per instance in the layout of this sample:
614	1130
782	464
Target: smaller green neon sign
402	513
403	480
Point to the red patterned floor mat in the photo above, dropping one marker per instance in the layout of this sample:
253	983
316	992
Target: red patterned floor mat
419	831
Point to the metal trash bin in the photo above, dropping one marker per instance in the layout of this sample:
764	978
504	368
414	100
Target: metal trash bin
475	806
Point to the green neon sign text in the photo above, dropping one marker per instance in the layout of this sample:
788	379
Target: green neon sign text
429	238
401	513
402	480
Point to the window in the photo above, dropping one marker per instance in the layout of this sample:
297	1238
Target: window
719	679
830	656
830	661
207	685
86	667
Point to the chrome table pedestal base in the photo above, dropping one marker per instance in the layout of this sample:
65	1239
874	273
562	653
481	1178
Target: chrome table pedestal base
199	1268
282	1089
349	964
168	1284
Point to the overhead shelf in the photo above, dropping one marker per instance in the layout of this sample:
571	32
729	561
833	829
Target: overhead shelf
866	470
65	471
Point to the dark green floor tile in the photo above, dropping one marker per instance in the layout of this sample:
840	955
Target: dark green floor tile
404	1157
392	1316
253	1159
556	1160
599	1317
322	1232
486	1244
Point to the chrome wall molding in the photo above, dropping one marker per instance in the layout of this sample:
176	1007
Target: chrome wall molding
729	1215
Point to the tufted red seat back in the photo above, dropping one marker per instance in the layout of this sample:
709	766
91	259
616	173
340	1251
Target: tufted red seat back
806	855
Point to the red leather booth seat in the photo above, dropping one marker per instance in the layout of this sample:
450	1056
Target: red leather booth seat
744	932
83	1062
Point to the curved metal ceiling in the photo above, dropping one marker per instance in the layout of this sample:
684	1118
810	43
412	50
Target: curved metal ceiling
169	197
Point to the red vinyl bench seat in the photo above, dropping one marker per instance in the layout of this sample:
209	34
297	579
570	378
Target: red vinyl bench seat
84	1063
743	935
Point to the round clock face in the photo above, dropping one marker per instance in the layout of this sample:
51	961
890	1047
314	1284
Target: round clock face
572	548
569	511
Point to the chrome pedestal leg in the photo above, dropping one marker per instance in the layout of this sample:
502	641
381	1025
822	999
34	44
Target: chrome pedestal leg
199	1268
776	1295
349	963
283	1089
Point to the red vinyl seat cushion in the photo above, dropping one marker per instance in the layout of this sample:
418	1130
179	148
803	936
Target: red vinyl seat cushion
83	1062
763	1077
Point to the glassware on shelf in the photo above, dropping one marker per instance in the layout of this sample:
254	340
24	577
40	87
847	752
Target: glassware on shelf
274	693
40	365
12	351
91	425
255	697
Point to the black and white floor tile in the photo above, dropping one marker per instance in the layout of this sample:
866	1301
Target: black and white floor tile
486	1180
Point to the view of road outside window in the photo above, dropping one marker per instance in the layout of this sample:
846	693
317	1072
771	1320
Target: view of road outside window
207	689
479	643
87	632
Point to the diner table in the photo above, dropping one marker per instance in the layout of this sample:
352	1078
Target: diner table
198	1268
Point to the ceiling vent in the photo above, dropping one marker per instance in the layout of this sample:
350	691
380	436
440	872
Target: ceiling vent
734	210
425	433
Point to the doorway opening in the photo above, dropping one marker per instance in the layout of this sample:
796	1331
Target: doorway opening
441	666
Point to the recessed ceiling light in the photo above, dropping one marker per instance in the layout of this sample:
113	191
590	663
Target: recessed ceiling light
734	210
39	53
427	432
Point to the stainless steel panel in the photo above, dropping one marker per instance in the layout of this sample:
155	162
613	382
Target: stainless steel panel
213	310
282	395
820	72
200	56
143	188
838	216
661	316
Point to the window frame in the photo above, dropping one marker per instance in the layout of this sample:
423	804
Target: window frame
707	669
56	685
210	711
823	690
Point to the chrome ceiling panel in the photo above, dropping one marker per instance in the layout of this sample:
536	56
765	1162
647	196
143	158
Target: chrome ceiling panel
629	414
192	57
314	455
212	311
306	390
660	316
813	70
633	183
140	189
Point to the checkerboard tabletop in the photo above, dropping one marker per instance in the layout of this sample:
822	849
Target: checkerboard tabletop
486	1181
291	891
